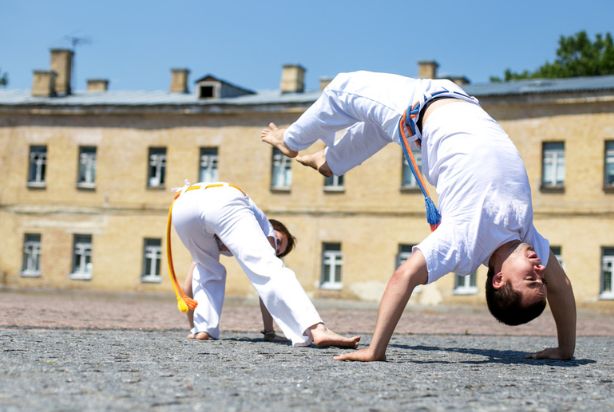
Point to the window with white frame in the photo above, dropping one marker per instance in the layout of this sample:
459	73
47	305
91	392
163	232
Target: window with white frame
281	171
82	257
609	165
208	165
31	255
408	180
465	284
553	165
38	166
152	258
607	273
334	183
156	172
87	167
557	251
332	263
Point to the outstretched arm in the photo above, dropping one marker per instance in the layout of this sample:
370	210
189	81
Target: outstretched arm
563	307
396	295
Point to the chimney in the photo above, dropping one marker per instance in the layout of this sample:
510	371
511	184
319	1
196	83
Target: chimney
43	83
97	85
61	64
459	80
179	80
324	81
427	69
292	78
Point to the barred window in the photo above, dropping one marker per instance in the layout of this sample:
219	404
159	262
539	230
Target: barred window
156	174
82	257
37	169
87	167
152	258
31	255
208	165
332	264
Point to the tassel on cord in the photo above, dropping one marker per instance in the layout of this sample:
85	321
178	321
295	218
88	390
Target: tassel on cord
433	217
184	302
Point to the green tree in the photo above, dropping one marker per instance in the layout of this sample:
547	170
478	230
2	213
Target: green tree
577	55
4	79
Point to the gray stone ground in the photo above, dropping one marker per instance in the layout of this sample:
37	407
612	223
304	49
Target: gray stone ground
125	366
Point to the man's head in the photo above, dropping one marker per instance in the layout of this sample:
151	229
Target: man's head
284	241
515	288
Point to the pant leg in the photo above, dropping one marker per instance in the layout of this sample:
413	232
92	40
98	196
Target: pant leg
209	278
209	288
276	284
359	142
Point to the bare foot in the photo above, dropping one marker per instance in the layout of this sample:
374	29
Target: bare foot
316	161
362	355
322	336
199	336
274	136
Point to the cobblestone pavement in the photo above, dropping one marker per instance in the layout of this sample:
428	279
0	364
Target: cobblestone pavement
65	352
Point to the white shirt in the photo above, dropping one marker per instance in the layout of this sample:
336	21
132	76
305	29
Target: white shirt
483	188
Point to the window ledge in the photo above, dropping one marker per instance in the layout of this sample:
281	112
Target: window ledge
151	279
334	189
80	276
161	187
30	274
608	189
280	189
37	185
552	189
410	189
465	290
606	296
86	186
331	286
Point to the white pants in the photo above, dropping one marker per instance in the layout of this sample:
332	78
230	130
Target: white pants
198	215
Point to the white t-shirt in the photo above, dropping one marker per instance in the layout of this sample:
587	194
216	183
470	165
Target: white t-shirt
483	188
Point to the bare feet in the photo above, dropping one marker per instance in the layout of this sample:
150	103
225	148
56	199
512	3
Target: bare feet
362	355
199	336
274	136
322	336
316	161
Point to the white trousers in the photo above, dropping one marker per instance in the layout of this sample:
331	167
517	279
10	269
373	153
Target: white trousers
198	215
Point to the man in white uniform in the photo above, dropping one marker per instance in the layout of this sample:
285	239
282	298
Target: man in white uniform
210	218
484	195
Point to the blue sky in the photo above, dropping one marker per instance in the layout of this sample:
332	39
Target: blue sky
135	43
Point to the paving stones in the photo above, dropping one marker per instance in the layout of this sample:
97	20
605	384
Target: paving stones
75	369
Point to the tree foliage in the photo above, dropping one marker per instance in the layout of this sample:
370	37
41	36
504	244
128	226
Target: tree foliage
4	78
577	55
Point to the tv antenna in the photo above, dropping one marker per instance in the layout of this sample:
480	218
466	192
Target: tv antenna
75	41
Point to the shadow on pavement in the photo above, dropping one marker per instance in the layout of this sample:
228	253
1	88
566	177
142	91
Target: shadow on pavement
508	357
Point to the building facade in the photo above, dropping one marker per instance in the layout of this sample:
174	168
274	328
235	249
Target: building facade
88	179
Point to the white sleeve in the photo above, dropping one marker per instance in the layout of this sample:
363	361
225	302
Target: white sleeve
359	142
263	221
440	252
540	244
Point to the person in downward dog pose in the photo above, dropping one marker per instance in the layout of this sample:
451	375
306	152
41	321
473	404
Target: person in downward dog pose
283	241
216	218
484	195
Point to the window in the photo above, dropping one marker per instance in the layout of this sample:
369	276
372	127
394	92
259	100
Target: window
408	180
208	165
152	257
87	168
206	92
82	257
281	172
465	284
38	166
333	184
31	255
157	167
609	165
553	166
607	273
332	262
557	252
403	254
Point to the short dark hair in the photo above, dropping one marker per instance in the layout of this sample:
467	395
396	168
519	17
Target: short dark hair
280	227
505	304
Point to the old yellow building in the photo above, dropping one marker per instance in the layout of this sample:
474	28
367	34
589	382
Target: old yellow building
87	179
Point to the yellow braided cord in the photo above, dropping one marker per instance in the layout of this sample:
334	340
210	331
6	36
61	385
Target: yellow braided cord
184	303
